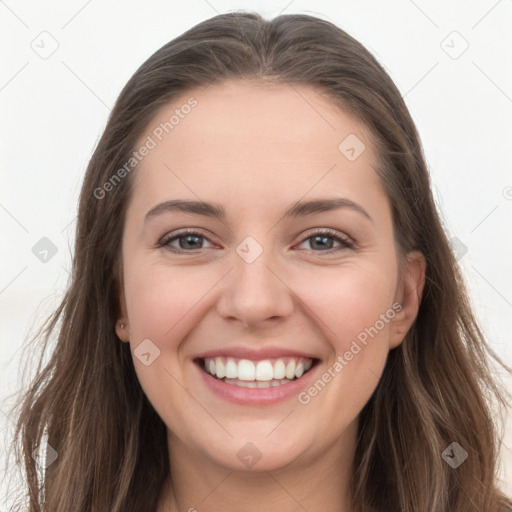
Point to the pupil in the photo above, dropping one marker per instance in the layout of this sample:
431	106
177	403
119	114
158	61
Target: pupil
323	238
188	239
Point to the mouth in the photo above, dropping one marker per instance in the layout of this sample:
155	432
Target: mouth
264	373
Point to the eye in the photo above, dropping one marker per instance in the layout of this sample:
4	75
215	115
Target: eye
323	240
187	240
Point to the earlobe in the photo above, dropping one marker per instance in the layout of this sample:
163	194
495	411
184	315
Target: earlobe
121	327
409	295
122	330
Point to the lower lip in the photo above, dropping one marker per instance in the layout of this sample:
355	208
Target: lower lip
256	396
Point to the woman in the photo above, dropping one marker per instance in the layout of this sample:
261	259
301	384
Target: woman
264	311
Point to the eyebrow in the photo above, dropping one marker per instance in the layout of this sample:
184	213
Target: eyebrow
298	209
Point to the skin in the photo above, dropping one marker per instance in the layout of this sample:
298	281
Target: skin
255	149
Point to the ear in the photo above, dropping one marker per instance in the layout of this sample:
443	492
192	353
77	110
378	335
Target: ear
408	295
122	326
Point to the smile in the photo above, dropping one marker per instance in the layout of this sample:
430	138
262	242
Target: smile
264	373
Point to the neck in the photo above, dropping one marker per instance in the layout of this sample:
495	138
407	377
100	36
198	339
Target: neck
319	482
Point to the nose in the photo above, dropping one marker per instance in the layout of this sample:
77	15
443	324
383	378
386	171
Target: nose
255	293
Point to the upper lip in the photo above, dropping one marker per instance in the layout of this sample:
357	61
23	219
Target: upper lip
253	353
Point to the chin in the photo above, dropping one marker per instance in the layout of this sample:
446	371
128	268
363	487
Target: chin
260	454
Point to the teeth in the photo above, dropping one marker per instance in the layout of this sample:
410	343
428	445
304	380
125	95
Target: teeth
256	384
220	369
246	370
264	371
279	369
231	369
261	374
290	369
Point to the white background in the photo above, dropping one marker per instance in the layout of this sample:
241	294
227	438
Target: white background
54	110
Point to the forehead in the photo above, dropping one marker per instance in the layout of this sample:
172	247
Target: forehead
250	136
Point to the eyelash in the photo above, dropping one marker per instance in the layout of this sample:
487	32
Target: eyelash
346	243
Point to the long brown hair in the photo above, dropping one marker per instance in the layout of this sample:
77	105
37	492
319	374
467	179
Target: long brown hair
437	387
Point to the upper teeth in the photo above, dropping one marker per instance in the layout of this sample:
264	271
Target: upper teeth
264	370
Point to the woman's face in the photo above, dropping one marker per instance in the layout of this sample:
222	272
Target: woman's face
269	283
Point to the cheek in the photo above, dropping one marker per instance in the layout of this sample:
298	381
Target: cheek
354	309
163	303
349	301
159	299
344	303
